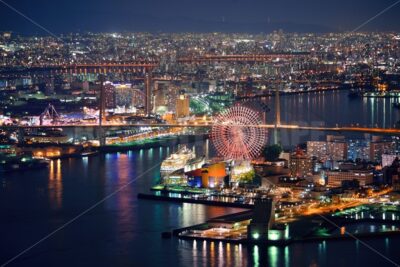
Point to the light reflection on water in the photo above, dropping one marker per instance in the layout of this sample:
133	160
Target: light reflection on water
123	201
125	231
238	254
335	253
55	184
256	256
329	109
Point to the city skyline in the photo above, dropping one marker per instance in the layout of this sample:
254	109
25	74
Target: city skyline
199	133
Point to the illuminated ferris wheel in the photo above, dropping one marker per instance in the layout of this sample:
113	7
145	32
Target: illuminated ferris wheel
236	133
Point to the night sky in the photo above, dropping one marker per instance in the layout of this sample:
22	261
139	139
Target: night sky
252	16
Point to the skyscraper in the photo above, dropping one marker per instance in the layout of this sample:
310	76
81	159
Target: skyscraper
337	147
182	105
123	95
379	147
300	164
317	149
358	149
109	95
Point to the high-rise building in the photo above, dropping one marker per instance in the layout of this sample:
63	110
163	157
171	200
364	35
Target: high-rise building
148	88
138	98
173	94
109	95
182	106
300	165
123	95
387	159
379	147
358	149
336	147
317	149
161	97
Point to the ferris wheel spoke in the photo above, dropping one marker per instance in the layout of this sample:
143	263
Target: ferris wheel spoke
235	134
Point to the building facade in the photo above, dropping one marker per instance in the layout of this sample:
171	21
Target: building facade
300	165
335	178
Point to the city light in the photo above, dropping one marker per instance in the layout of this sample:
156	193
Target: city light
145	128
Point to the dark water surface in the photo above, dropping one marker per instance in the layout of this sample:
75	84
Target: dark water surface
125	231
331	109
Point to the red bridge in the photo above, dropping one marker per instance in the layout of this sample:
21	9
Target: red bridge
242	58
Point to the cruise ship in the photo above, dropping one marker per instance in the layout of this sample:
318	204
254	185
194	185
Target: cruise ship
53	135
177	160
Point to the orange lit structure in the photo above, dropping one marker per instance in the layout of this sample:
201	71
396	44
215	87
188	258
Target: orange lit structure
213	175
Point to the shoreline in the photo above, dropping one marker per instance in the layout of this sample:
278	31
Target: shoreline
304	239
162	142
272	94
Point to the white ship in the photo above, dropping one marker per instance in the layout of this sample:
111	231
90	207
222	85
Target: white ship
177	160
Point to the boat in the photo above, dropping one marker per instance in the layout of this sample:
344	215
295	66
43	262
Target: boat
54	135
177	160
89	153
11	162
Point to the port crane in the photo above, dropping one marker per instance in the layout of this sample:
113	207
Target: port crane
49	113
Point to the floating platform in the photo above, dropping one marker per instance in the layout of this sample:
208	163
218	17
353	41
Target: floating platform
194	201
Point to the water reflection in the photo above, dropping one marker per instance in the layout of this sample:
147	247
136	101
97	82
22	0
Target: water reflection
55	185
125	231
300	254
273	253
286	253
188	212
123	198
387	246
256	256
228	255
329	109
336	107
217	253
150	154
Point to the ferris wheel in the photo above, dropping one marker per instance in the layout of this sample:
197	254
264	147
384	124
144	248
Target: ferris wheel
236	133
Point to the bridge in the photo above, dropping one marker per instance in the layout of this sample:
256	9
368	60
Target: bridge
146	65
143	68
250	58
377	130
85	68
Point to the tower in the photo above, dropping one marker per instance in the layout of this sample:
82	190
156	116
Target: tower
277	114
262	220
182	105
102	104
148	92
109	95
102	101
